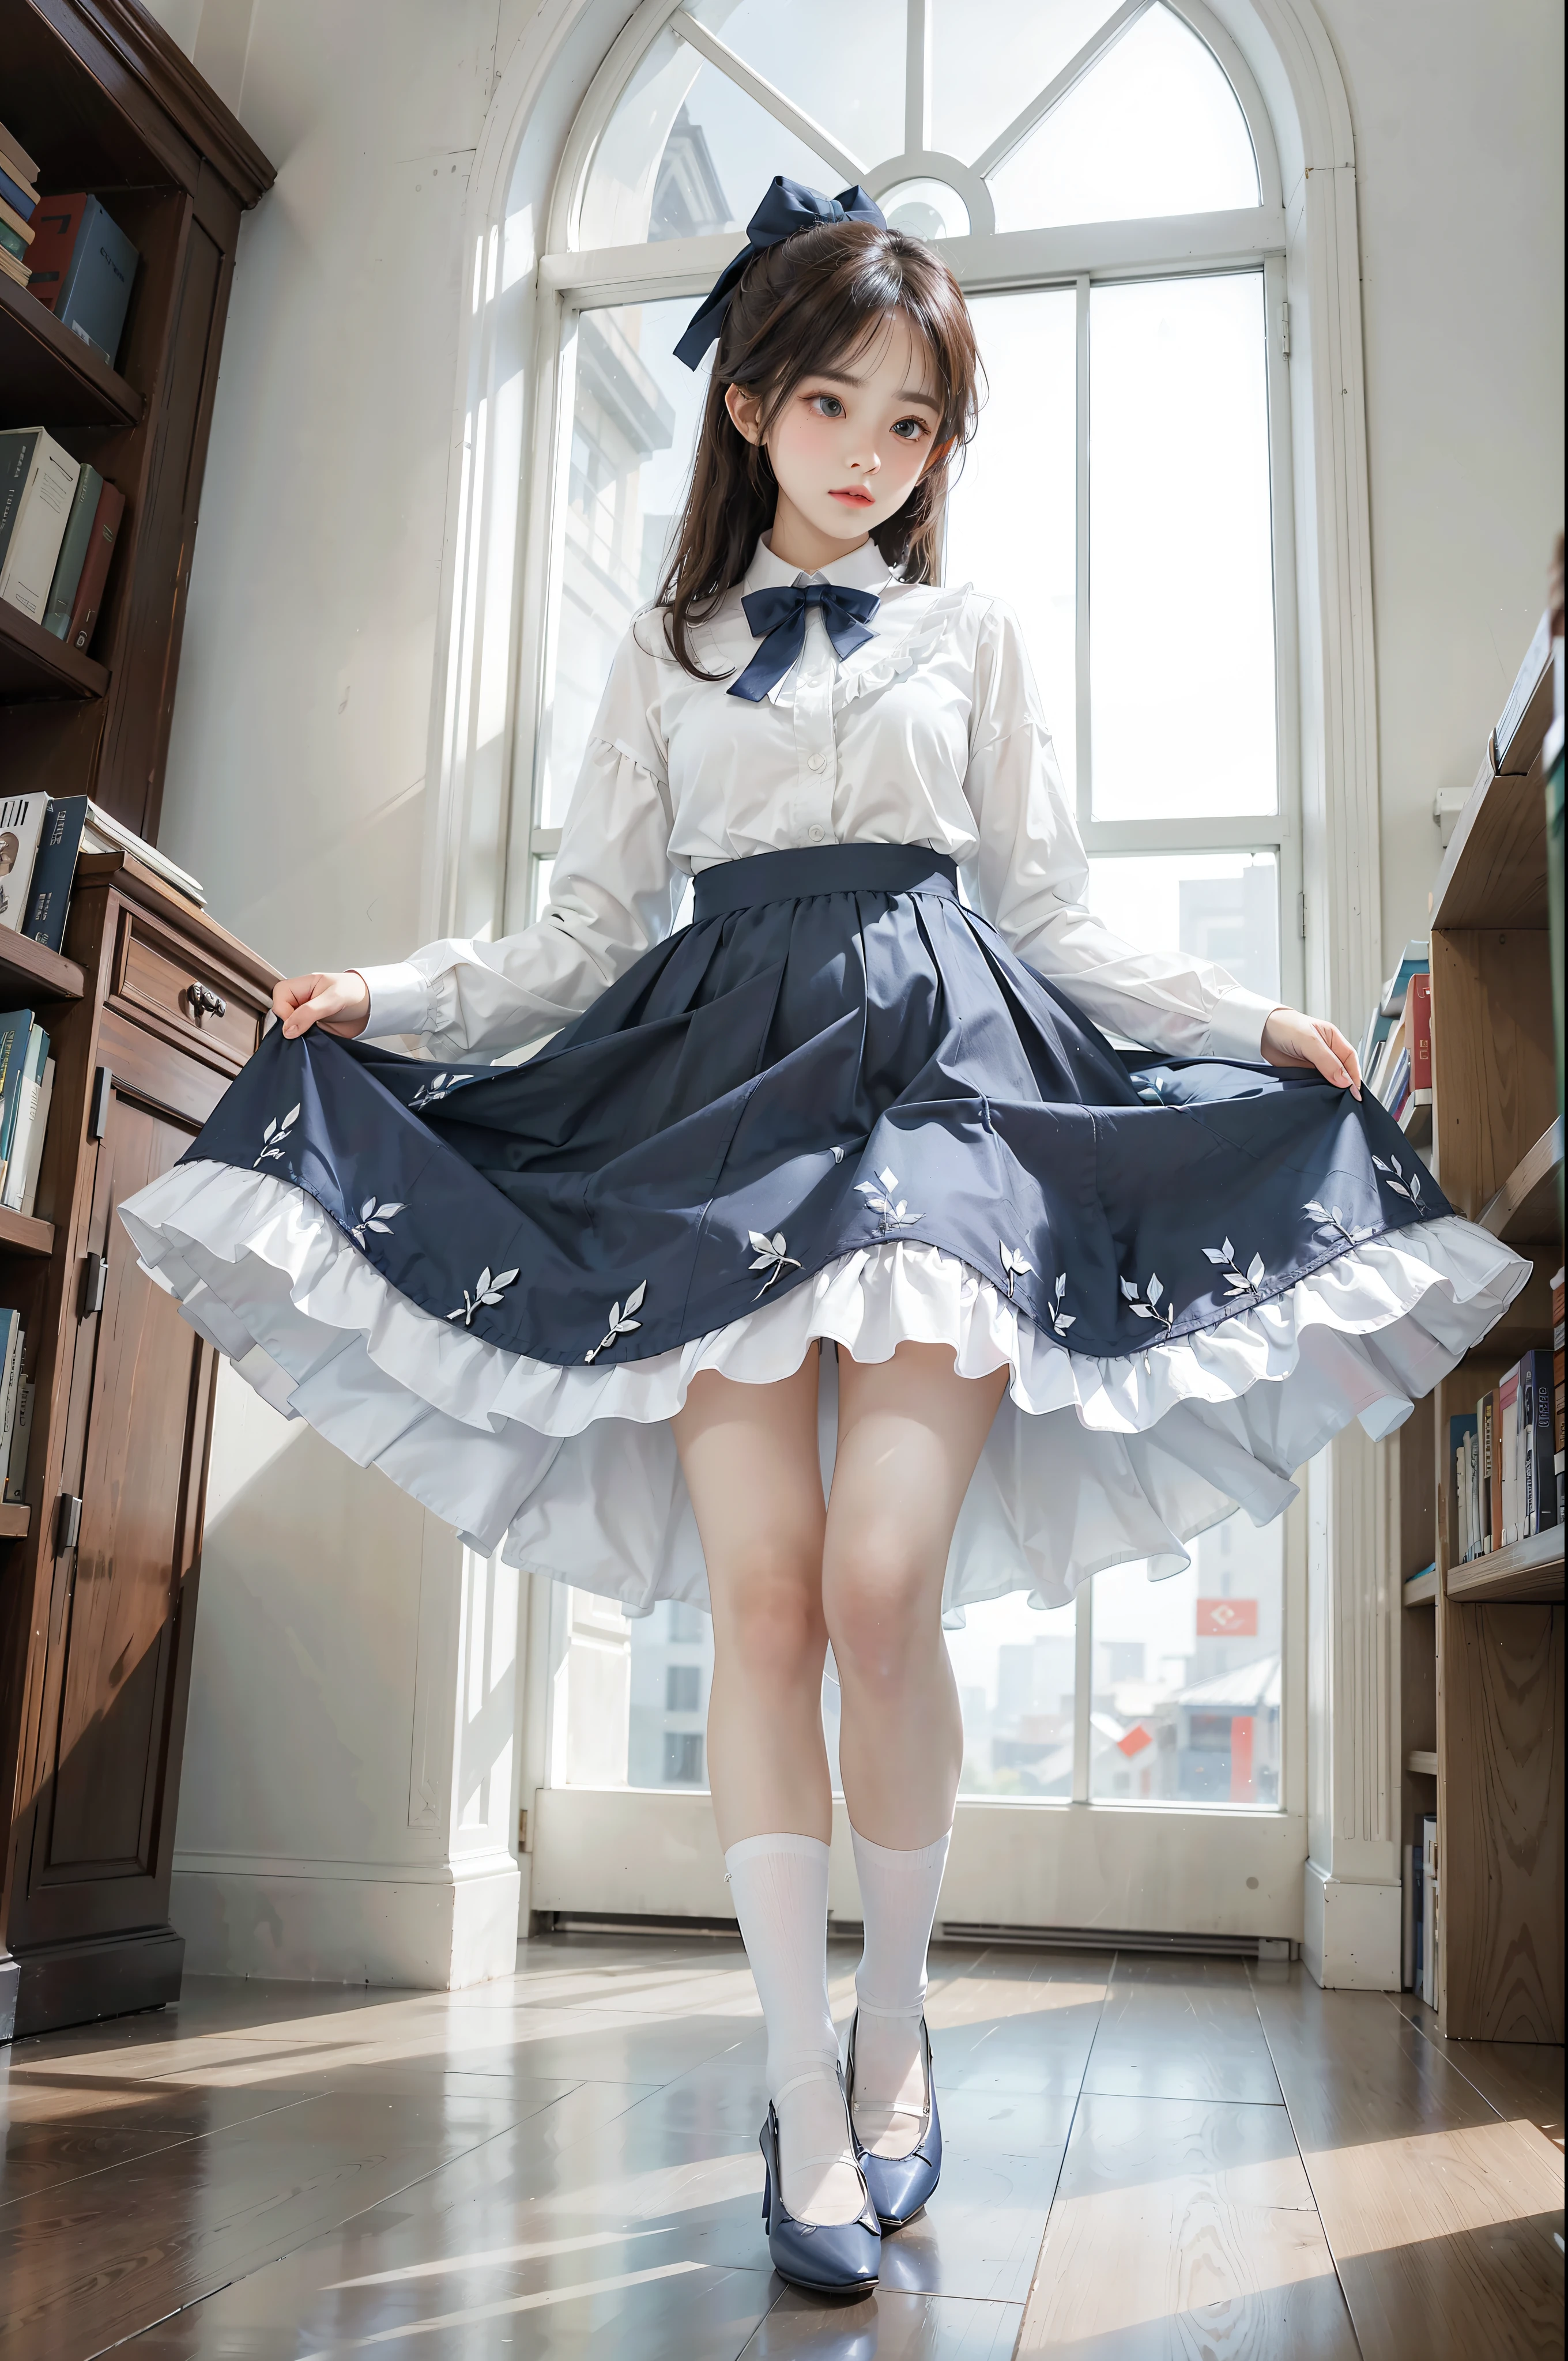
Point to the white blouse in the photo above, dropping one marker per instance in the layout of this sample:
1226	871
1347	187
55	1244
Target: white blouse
931	733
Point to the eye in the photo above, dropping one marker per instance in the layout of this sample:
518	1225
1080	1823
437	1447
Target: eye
910	430
827	406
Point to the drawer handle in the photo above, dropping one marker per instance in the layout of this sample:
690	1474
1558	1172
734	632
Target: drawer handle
204	1001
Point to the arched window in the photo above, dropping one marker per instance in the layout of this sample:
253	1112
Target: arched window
1104	184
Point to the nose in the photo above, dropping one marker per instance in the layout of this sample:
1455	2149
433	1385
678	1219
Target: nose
869	465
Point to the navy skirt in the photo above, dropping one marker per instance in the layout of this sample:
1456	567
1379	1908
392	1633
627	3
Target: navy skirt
837	1102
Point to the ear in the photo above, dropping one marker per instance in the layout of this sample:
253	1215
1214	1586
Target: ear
745	410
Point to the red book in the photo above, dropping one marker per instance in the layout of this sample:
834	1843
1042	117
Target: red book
95	566
55	226
1418	1031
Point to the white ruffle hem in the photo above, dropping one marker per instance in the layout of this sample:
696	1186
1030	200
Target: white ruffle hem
573	1472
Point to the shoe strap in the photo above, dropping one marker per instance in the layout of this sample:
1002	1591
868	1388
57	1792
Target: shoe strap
903	2015
820	2081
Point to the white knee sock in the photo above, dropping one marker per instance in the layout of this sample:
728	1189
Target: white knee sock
898	1899
779	1885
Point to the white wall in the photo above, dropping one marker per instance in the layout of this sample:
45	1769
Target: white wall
1458	113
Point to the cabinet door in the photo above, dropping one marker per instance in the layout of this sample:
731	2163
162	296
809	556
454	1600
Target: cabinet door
123	1600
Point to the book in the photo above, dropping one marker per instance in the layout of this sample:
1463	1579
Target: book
1483	1471
18	444
1538	659
1494	1413
1386	1060
1535	1430
85	270
54	867
1415	960
39	526
1416	1911
16	1030
35	1142
14	241
10	1381
14	156
95	568
1429	1908
103	833
19	223
1459	1429
12	269
21	1435
1505	1425
20	194
22	821
72	552
1418	1031
15	1187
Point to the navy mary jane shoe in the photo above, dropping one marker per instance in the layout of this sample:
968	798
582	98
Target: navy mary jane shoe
900	2185
830	2257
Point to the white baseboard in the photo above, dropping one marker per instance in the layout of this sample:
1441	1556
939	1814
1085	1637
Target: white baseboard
1350	1934
436	1928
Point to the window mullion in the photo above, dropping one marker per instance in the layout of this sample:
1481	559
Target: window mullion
1082	1687
1080	587
917	78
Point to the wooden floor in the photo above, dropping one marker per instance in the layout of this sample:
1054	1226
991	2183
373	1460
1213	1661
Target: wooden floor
1144	2158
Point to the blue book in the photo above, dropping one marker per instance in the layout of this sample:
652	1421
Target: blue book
15	1035
72	556
49	900
15	194
95	286
1536	1434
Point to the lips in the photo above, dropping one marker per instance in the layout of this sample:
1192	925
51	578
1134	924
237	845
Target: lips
857	500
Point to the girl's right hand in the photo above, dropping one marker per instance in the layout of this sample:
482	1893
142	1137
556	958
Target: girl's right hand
338	1004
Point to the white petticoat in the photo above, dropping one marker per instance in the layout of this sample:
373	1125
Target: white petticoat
573	1472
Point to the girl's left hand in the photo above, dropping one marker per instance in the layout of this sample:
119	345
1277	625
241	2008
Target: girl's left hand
1291	1039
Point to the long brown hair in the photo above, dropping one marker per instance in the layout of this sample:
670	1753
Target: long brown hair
817	298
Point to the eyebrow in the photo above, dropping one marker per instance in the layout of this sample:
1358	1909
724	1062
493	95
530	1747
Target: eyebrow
905	392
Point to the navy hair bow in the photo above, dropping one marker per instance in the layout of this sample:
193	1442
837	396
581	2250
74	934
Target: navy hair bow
788	206
781	613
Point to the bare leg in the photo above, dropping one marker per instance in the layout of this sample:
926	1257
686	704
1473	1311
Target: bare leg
910	1432
751	1467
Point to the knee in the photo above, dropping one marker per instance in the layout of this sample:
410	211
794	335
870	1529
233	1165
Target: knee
771	1621
877	1594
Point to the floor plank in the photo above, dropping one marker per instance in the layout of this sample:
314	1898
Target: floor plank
1523	2080
1184	2228
1168	2035
1438	2211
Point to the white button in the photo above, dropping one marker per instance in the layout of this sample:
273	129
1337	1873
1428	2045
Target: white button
817	834
815	763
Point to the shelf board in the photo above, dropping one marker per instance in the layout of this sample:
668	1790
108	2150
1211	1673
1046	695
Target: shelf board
1494	873
1422	1761
32	971
24	1234
1525	1573
1420	1590
50	376
1525	1207
14	1519
34	664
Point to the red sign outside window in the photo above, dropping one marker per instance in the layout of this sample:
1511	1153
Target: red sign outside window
1227	1619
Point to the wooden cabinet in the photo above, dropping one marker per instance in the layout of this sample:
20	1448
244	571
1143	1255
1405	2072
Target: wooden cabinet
98	1597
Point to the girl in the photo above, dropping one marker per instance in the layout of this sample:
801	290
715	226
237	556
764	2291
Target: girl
1081	1304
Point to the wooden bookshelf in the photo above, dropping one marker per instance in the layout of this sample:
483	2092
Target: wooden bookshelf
16	1518
30	972
1483	1703
106	100
25	1234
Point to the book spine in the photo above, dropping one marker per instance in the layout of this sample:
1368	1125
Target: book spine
1418	1031
39	529
54	227
26	1117
37	1145
53	869
72	552
15	1031
14	240
1483	1434
21	1436
15	156
17	450
21	199
21	826
95	568
8	1386
95	291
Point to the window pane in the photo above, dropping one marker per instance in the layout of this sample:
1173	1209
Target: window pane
1015	1670
844	67
971	101
1185	1706
1012	520
687	153
1181	590
1153	129
635	419
1223	905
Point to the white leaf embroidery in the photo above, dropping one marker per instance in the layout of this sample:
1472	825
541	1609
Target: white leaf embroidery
621	1322
277	1134
893	1214
772	1258
1013	1264
487	1289
374	1216
1147	1304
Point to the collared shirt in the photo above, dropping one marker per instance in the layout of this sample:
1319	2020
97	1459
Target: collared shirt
932	734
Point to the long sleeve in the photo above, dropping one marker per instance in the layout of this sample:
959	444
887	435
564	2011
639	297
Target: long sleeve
1030	878
612	896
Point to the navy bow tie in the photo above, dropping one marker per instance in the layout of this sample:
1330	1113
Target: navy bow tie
781	614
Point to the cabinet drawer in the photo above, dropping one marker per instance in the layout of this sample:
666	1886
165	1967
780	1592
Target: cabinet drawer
196	1001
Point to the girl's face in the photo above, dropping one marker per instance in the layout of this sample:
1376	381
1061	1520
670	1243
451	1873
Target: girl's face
851	443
